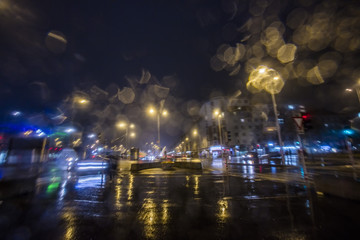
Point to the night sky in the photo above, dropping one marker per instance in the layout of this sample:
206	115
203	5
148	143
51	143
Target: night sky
49	49
105	42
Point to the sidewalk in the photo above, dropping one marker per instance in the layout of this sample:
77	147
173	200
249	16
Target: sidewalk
340	186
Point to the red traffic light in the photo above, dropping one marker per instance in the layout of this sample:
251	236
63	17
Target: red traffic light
306	116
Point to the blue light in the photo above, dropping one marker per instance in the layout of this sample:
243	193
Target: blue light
16	113
291	107
92	167
348	131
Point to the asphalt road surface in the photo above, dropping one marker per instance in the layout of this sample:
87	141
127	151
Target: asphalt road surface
228	199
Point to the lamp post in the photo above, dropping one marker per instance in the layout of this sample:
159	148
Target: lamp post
219	115
77	102
278	126
126	126
268	79
159	112
196	135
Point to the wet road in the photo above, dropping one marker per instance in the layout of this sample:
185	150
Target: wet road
227	200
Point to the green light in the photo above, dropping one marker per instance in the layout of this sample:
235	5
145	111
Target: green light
59	133
52	187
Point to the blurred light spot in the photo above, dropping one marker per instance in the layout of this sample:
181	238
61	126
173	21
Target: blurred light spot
303	67
314	76
301	35
145	76
126	96
235	70
239	51
193	108
345	28
223	210
341	44
286	53
279	26
161	92
272	40
216	64
334	56
251	63
320	31
148	216
287	72
229	56
327	68
354	44
265	78
56	42
257	50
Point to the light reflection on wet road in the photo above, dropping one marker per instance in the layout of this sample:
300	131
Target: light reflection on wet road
227	200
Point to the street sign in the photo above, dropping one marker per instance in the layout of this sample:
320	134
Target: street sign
299	124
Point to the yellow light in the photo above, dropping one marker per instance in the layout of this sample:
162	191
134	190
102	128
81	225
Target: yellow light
151	110
121	124
276	78
164	113
262	70
132	134
187	139
27	133
195	132
132	126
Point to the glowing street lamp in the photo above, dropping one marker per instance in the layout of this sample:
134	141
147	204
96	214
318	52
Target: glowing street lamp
159	112
218	115
197	136
126	126
268	79
83	101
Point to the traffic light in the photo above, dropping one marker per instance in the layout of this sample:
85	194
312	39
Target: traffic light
306	121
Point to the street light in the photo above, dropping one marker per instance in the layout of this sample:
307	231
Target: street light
126	126
219	115
268	79
197	136
159	112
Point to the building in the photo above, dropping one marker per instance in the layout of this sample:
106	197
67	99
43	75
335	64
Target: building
236	125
